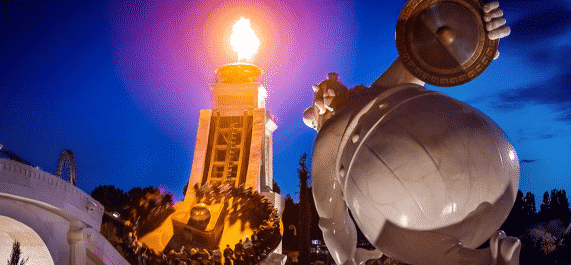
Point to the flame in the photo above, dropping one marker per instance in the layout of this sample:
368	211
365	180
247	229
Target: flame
244	40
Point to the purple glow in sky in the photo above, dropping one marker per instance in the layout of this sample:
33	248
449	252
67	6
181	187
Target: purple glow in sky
121	83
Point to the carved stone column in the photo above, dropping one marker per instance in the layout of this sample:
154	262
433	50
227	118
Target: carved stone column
76	241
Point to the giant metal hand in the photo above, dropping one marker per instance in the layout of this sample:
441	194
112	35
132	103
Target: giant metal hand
495	23
427	178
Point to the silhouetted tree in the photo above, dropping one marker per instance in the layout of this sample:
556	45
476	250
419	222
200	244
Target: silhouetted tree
559	205
544	238
546	202
513	226
109	231
304	212
519	201
112	198
276	188
562	253
167	199
184	189
136	194
291	224
149	208
529	204
554	206
15	256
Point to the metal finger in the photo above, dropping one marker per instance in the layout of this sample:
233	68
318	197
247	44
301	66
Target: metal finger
495	23
501	32
491	6
495	242
509	246
497	55
320	106
494	14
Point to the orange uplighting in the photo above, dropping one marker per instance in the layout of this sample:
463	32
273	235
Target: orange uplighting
244	40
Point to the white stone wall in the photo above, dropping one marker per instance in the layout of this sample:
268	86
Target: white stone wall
66	218
33	183
51	227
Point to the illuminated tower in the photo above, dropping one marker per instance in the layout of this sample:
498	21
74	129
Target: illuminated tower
234	138
233	146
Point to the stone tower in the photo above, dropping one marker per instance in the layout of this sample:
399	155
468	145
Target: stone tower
234	138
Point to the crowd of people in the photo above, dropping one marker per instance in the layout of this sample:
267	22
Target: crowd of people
263	242
252	250
139	254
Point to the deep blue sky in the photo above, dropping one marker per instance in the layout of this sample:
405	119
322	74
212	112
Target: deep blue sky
121	83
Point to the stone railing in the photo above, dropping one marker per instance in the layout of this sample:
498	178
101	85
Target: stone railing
33	183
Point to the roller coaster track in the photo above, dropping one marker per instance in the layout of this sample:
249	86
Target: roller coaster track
67	158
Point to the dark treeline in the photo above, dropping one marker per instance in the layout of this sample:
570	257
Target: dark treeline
134	208
544	232
116	200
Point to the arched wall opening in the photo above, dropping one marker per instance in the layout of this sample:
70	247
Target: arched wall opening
31	244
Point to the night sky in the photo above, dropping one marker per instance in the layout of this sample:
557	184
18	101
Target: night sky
121	83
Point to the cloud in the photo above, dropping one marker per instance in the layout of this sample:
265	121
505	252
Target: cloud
554	92
547	19
540	26
546	136
549	56
529	135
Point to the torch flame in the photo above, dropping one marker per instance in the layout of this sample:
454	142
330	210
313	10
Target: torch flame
244	40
